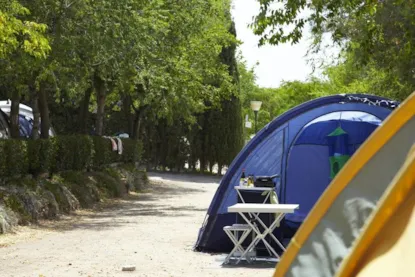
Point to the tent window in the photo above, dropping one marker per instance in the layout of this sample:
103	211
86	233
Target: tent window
338	150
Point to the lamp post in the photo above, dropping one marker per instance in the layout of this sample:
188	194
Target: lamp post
255	106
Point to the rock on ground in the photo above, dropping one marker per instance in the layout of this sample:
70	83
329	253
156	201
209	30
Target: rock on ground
7	219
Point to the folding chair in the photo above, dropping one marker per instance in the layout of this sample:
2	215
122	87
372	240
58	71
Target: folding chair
232	232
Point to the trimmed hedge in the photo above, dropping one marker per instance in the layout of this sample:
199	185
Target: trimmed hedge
62	153
16	162
102	152
39	153
72	152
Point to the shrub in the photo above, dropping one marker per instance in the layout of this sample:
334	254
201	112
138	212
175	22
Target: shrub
72	152
40	156
84	147
109	182
132	150
102	151
82	187
14	160
63	153
103	154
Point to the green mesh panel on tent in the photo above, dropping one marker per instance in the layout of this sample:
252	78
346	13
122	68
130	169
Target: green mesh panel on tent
337	163
338	150
337	132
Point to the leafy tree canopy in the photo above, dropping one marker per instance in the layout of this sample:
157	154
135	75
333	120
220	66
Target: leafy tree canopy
18	34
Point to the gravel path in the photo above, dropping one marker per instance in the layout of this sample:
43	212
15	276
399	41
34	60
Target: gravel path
154	231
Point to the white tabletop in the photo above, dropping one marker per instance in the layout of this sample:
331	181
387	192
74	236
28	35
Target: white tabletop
254	188
262	208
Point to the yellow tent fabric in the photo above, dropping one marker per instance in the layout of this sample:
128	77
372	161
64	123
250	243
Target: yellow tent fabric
376	163
386	246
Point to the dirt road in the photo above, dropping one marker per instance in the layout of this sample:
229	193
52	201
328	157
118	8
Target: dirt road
153	231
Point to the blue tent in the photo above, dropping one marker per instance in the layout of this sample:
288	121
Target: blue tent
26	126
4	126
296	145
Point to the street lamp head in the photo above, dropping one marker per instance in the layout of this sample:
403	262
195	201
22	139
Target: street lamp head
256	105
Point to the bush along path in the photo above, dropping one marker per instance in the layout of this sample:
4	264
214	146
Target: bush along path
41	179
26	200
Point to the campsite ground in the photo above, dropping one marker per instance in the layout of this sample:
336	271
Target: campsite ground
153	231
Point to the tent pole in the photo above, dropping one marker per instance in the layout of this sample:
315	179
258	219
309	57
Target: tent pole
256	119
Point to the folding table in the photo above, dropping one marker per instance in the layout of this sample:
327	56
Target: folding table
254	210
242	192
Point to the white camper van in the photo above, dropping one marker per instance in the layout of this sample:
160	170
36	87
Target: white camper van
25	118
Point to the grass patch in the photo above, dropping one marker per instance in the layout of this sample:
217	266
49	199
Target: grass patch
82	187
137	179
109	182
54	188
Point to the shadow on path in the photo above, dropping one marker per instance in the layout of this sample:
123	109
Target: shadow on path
128	210
259	263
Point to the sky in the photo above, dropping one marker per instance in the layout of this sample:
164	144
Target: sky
276	63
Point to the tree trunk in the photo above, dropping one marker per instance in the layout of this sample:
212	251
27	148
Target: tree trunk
128	115
163	144
14	116
44	112
84	111
149	148
202	165
36	113
220	166
137	122
211	167
137	125
156	159
101	97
